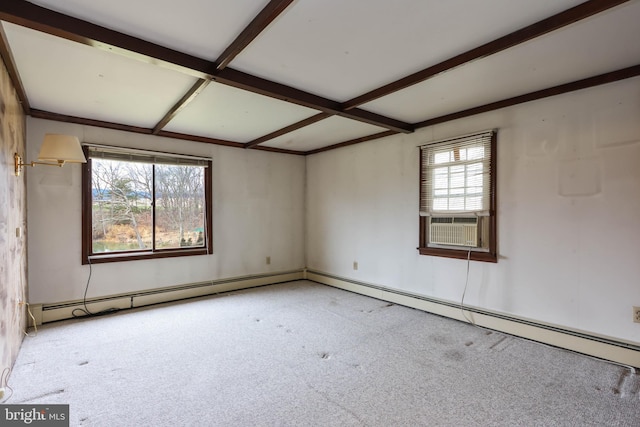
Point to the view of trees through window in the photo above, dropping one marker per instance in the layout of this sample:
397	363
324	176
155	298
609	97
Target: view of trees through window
124	200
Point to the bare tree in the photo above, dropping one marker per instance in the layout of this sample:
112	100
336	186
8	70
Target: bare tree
125	195
179	192
119	193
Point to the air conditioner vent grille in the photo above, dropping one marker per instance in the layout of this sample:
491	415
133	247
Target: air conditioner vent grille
456	231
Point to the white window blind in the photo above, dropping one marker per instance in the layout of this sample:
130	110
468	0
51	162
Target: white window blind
456	176
108	152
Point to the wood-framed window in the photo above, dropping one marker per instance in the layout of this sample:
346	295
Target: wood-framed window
139	204
458	197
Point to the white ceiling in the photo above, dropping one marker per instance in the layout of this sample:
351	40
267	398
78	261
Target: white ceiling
343	48
589	48
336	49
323	133
74	79
228	113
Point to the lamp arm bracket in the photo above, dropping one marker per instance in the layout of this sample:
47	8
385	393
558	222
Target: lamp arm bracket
18	163
60	163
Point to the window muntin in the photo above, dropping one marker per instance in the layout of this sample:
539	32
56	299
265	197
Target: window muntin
458	180
457	196
140	204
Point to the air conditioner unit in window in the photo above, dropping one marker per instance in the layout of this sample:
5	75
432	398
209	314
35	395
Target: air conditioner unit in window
455	231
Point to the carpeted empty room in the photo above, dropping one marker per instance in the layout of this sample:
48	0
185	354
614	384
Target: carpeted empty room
319	213
301	353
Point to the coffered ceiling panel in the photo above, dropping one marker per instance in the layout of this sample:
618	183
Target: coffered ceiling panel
77	80
592	47
323	133
343	48
225	112
200	28
302	76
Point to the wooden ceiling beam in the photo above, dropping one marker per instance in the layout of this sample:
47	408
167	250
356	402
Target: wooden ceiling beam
613	76
191	94
266	16
47	115
21	12
36	17
302	123
598	80
216	141
257	25
540	28
29	15
353	142
290	94
557	21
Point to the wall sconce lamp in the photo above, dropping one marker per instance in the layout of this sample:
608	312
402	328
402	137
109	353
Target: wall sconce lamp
56	148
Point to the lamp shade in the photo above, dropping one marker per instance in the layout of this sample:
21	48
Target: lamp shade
61	148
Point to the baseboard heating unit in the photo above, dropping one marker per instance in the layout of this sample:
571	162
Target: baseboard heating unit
625	353
45	313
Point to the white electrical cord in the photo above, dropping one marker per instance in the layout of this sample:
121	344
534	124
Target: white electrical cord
22	302
5	380
466	283
35	326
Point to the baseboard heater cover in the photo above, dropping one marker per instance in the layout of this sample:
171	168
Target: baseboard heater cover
45	313
621	352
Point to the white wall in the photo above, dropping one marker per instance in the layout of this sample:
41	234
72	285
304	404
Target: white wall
568	213
568	210
258	211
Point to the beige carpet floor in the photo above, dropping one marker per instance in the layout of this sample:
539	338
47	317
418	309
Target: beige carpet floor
304	354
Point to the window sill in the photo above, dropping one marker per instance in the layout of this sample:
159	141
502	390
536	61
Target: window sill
136	256
459	254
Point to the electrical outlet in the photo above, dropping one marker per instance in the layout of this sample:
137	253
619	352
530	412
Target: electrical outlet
355	265
268	260
636	314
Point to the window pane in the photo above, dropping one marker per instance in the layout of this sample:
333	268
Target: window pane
441	178
442	157
474	168
458	183
121	206
474	153
456	203
474	191
457	180
179	206
441	204
474	179
474	203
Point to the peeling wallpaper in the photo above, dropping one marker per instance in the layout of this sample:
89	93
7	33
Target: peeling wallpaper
13	250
